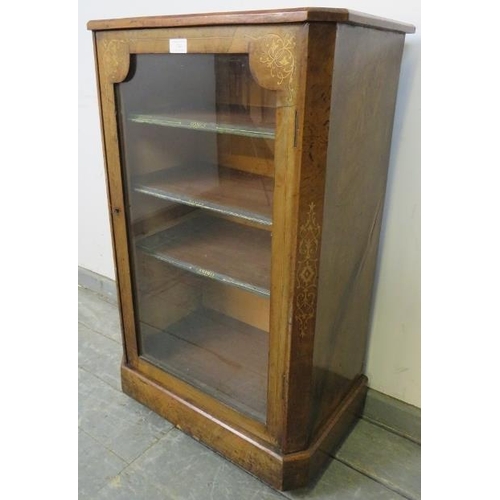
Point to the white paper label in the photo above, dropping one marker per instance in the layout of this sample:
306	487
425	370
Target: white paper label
178	45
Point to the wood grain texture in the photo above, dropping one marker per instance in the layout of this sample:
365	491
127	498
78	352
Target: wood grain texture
243	306
297	15
312	135
286	173
218	40
281	471
365	78
113	60
255	156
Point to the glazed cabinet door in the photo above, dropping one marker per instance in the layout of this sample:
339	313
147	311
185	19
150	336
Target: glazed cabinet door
199	128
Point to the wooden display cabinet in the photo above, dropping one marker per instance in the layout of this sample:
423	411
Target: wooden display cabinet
246	158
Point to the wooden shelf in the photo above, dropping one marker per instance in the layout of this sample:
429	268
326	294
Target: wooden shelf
224	190
205	349
235	123
216	248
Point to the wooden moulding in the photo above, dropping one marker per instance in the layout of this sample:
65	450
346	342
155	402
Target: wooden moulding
296	15
283	472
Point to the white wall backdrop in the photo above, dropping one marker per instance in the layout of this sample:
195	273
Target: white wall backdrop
393	365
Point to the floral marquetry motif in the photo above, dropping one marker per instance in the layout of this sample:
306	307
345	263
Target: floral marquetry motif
116	53
272	59
278	56
307	271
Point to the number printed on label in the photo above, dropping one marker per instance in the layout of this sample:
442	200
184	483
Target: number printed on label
178	45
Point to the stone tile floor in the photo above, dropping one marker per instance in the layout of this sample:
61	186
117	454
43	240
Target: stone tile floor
128	452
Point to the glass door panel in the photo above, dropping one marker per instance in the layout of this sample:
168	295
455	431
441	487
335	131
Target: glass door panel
197	135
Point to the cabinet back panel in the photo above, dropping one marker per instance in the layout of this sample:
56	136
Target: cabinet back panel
238	304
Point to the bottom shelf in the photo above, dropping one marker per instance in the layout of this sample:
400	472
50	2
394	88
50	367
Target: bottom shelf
224	357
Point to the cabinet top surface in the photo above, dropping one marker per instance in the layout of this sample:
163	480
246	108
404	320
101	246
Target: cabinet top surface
298	15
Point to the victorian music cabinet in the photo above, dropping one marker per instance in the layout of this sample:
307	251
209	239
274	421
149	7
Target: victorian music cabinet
246	157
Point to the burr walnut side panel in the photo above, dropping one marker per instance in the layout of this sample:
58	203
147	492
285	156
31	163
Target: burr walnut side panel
365	78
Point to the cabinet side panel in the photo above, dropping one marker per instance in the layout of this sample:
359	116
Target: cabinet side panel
364	87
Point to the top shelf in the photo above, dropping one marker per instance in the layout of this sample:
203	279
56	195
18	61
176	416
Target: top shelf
234	123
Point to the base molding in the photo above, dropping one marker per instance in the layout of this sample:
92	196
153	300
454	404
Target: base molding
97	283
392	414
300	468
282	472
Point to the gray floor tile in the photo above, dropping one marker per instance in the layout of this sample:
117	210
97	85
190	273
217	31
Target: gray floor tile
177	467
99	355
118	422
96	465
98	314
340	482
384	456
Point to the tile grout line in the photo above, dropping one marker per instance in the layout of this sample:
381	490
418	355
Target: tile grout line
99	333
391	430
99	295
134	460
132	399
99	378
105	447
120	457
386	485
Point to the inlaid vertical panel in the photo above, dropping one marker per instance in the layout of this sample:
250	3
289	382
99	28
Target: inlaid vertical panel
312	133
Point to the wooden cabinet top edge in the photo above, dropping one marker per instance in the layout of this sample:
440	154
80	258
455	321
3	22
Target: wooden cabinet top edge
297	15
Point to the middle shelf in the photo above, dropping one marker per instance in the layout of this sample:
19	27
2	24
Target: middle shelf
216	248
220	189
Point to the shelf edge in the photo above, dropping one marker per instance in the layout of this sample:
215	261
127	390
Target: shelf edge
223	278
265	221
201	126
